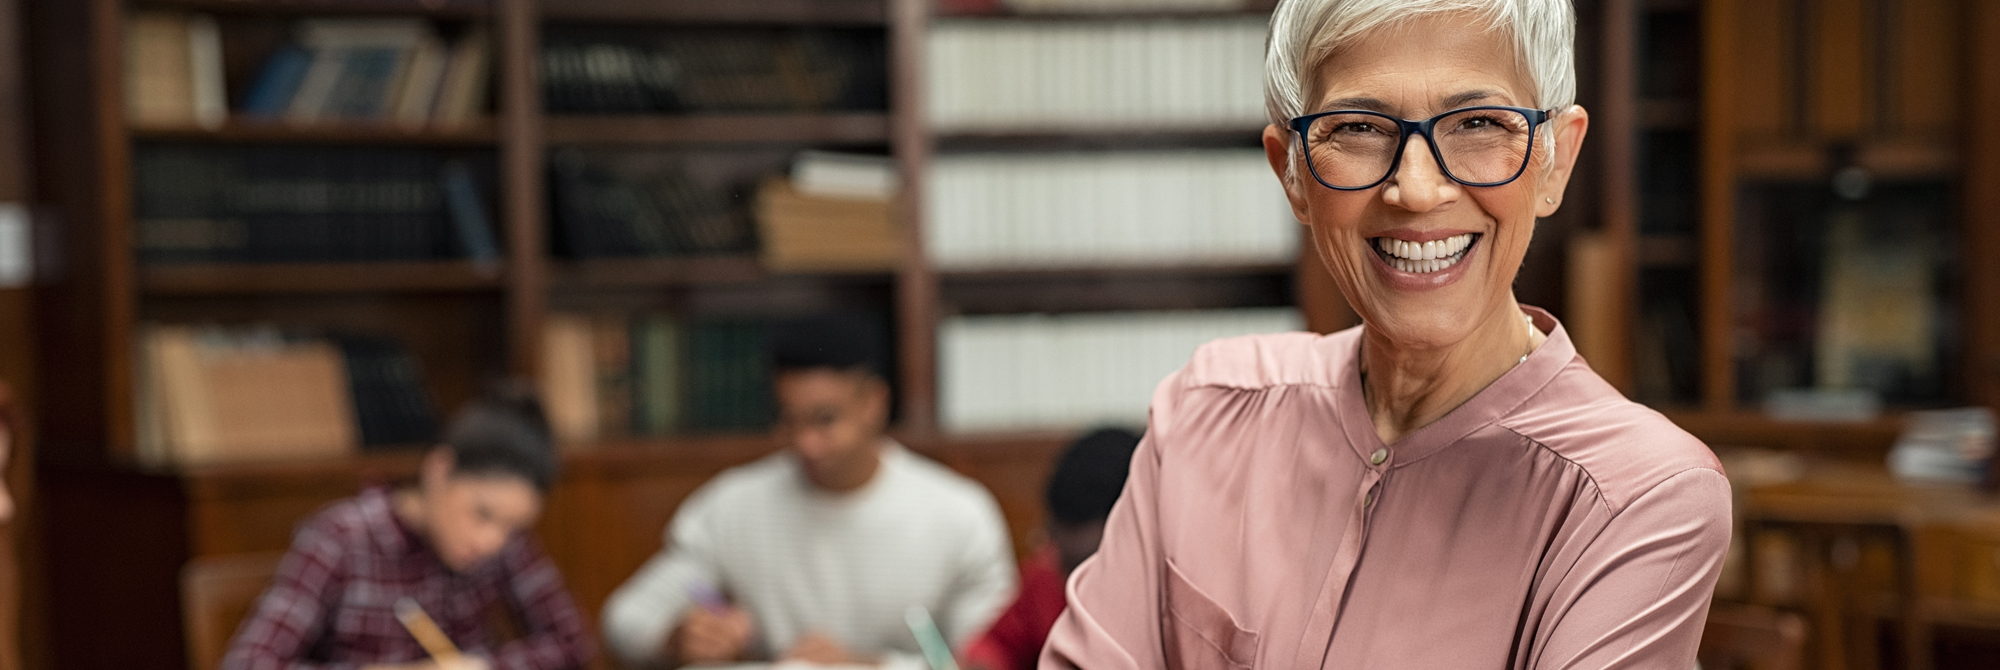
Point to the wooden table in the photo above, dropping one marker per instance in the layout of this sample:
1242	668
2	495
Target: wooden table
1936	533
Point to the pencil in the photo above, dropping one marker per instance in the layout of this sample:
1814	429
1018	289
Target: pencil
426	631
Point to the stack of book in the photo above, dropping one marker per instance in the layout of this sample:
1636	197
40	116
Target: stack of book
1068	371
375	70
262	204
1042	76
173	70
833	214
633	71
1207	206
623	205
1109	6
218	395
616	375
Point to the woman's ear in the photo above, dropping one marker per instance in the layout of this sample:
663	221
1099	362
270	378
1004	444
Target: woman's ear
1566	131
1278	149
436	468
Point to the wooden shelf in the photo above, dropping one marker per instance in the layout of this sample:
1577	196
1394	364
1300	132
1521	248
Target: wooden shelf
686	271
1116	272
1892	160
399	277
1249	8
433	8
842	127
1108	137
239	130
819	12
1861	440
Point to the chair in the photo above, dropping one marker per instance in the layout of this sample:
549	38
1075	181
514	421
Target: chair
1747	637
217	592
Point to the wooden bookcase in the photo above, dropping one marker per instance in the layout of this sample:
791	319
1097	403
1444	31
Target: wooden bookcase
120	530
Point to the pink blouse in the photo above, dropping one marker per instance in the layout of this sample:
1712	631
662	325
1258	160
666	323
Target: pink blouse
1546	523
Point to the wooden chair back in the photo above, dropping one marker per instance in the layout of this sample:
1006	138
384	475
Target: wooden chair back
1747	637
217	593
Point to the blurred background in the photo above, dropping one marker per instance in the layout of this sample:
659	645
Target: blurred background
251	250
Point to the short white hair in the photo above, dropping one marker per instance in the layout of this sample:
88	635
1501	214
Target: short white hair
1305	32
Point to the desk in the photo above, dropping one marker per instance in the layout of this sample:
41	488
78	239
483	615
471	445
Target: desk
1942	552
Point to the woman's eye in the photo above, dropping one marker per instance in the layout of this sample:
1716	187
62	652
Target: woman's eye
1354	128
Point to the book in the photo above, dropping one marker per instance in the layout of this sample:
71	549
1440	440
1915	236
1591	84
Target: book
618	70
467	207
658	404
276	204
803	232
832	174
1025	75
462	90
1072	371
417	92
243	395
618	204
159	69
1096	209
271	94
569	378
211	104
392	406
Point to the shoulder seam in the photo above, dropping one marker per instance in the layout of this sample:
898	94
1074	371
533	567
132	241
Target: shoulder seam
1602	497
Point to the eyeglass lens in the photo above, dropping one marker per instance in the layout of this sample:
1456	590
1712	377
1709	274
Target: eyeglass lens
1480	146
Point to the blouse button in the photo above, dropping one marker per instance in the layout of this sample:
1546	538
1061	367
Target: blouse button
1379	456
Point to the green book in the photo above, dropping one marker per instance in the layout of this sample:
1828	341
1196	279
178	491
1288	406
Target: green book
657	358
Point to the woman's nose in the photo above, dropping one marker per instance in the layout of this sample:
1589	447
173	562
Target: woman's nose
1419	184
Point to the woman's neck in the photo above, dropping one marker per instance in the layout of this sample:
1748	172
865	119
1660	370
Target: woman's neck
1408	388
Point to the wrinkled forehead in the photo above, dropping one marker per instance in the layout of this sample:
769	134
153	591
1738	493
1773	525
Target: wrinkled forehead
1422	66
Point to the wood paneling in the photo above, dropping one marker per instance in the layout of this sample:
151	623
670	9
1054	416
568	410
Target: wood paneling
1982	204
607	515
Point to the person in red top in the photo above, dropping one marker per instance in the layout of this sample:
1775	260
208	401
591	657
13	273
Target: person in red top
456	543
1081	491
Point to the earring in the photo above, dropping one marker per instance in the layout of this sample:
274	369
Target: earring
1551	200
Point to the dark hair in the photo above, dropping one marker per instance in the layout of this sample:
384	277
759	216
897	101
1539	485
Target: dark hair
504	433
1090	474
844	342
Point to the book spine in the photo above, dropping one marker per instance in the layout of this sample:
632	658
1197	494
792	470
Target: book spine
1071	371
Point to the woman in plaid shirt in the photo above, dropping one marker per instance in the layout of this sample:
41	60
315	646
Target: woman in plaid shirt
455	542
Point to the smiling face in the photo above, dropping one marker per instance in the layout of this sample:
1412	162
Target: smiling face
1423	259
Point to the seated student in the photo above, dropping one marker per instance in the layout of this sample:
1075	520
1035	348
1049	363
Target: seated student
1081	491
455	543
816	552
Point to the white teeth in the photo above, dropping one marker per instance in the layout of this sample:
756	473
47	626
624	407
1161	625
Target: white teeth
1423	257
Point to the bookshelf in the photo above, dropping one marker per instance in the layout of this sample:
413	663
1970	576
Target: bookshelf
1742	105
1665	128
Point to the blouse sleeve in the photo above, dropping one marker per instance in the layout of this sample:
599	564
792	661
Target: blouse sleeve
1638	594
1113	619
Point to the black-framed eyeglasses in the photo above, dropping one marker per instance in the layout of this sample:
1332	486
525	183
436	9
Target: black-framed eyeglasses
1351	149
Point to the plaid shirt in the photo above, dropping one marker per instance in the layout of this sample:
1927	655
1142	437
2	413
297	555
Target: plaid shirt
331	604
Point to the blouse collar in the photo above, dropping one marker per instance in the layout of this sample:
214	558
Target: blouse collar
1489	405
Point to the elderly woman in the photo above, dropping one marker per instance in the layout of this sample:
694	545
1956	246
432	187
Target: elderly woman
1448	485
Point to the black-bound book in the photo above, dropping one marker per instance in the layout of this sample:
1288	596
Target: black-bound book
274	204
622	70
728	376
390	400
